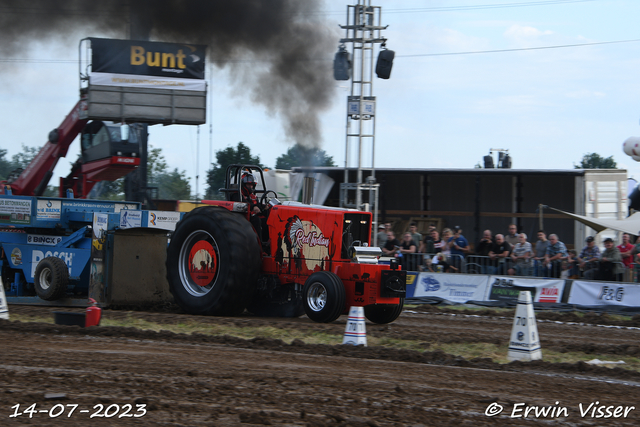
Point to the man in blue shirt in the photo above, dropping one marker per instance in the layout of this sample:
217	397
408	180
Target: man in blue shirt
556	252
589	258
459	247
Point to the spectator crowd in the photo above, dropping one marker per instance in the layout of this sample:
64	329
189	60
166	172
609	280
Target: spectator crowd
510	254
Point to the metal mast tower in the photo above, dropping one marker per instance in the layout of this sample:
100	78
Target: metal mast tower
363	30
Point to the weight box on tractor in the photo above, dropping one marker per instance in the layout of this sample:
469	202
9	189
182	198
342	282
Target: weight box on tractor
309	259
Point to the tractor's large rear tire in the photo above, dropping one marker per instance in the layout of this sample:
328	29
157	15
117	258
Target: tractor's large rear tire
51	278
383	313
324	297
213	262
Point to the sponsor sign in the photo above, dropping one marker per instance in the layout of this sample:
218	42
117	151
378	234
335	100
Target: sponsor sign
130	80
130	219
15	211
48	209
604	293
508	288
411	278
451	287
16	256
124	206
240	207
39	239
130	160
551	293
37	256
98	250
164	220
147	64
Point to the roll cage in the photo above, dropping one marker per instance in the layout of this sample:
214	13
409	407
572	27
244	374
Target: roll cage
232	190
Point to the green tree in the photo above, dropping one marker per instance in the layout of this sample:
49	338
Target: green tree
22	159
18	161
172	185
109	190
5	165
299	155
596	161
224	158
156	163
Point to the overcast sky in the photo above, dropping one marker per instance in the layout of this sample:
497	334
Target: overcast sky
548	107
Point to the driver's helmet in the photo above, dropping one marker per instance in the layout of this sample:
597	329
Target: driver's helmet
248	183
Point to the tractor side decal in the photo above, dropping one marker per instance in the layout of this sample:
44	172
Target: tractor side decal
303	246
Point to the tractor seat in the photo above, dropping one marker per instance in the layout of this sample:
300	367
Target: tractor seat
231	193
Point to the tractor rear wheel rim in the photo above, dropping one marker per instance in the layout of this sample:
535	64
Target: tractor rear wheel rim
317	296
185	261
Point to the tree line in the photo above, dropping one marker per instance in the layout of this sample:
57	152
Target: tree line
173	184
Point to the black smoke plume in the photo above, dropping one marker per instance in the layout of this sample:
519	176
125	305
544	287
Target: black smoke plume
277	51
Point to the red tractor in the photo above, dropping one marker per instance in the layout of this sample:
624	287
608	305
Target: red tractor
291	259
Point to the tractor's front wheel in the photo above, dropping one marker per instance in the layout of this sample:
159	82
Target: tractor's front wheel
383	313
324	297
213	262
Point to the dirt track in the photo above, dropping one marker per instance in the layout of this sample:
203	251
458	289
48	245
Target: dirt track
225	381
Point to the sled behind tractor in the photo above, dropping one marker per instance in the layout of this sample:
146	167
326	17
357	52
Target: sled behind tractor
306	259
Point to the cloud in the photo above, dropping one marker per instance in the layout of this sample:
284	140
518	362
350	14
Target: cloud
585	94
518	34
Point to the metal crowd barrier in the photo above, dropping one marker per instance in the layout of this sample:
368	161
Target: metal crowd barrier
477	264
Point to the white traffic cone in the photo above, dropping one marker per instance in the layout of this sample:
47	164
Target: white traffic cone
525	342
4	307
356	331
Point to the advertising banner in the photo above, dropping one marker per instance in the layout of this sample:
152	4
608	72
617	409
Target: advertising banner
458	288
147	64
130	219
507	288
98	252
48	210
15	211
131	80
604	293
164	220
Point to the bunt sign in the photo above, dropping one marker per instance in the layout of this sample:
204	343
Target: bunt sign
146	82
147	64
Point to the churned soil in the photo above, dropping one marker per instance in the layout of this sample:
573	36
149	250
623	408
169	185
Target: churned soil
206	380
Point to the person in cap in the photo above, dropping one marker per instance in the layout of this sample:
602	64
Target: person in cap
611	267
588	258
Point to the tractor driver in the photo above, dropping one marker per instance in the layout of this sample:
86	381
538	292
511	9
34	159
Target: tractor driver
258	212
249	193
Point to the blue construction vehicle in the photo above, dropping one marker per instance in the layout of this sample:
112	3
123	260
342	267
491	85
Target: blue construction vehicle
61	251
